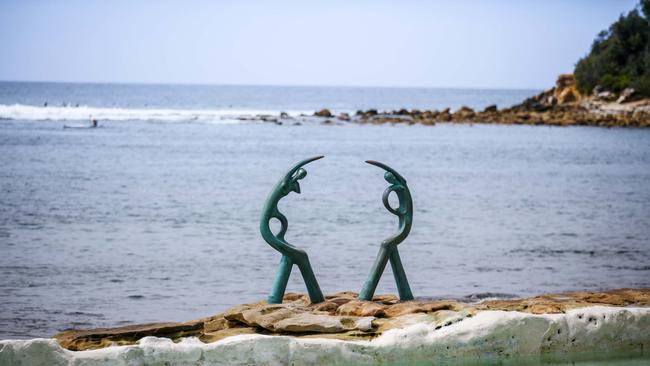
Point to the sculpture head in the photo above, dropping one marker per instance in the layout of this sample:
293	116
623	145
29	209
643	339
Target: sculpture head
391	178
291	184
290	181
391	175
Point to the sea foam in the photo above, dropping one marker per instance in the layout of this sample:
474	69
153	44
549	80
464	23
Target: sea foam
490	335
84	113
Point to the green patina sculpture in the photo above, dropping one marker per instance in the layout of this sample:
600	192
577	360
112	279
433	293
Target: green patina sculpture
388	250
290	254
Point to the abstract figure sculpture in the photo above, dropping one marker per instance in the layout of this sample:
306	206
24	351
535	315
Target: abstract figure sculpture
388	250
290	254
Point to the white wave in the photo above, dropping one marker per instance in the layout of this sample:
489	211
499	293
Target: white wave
84	113
488	336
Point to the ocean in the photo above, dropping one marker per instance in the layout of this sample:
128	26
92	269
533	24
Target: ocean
154	216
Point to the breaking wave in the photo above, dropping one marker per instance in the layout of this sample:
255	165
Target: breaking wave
23	112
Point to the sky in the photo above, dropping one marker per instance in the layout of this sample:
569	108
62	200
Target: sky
461	43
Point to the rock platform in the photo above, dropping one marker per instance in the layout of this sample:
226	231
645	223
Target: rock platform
342	316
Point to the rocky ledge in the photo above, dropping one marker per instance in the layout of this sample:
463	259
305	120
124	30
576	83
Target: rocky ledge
341	316
562	105
344	330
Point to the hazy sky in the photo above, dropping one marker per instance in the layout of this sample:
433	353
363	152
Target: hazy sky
462	43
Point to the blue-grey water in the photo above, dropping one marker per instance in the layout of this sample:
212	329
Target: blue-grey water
154	219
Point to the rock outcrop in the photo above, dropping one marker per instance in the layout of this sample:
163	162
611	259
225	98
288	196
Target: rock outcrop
442	337
324	113
341	316
562	105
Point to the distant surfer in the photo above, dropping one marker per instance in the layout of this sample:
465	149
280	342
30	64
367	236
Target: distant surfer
93	124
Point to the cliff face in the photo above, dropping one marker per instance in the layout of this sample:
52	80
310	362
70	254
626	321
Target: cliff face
564	93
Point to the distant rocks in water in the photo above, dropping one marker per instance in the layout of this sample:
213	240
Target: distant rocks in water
464	113
490	109
323	113
562	105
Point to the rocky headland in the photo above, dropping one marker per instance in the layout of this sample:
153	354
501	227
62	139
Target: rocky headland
562	105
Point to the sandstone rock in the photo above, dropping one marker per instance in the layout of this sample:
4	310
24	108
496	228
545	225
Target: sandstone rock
322	323
323	113
626	95
78	340
439	319
344	116
605	95
293	296
490	109
340	300
566	90
559	303
215	323
343	316
367	114
267	316
402	308
386	299
465	109
361	308
209	337
433	306
326	306
565	81
568	95
444	115
235	313
598	89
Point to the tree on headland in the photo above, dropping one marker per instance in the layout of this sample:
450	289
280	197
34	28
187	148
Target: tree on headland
620	56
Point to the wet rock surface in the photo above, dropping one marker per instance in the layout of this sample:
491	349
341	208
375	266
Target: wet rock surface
341	316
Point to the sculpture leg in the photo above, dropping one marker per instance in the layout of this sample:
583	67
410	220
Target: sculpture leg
280	282
378	267
315	294
403	287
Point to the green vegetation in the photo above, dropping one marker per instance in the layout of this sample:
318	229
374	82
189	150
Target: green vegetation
620	56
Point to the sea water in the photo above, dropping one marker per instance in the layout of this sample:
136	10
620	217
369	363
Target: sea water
154	215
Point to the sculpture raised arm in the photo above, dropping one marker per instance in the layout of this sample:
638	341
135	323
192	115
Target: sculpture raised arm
388	250
290	254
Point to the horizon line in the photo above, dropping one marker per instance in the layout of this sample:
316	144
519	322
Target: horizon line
268	85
